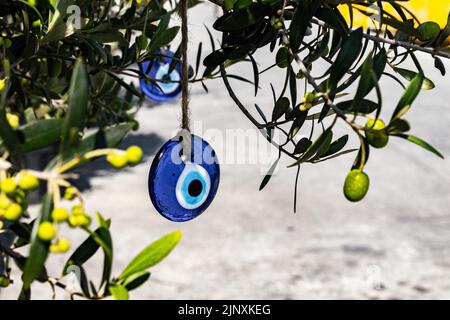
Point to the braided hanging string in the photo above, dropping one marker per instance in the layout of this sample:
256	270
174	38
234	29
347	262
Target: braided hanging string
185	123
185	114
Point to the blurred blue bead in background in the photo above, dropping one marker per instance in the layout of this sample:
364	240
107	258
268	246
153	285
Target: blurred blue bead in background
158	69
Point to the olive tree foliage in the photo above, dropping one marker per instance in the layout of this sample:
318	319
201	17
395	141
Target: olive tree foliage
302	33
63	65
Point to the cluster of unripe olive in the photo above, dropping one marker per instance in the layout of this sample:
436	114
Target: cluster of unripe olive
357	182
119	159
77	217
13	203
47	230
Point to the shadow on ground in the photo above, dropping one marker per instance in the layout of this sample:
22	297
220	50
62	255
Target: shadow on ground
150	143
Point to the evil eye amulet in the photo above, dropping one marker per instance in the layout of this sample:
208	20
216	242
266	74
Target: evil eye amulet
167	86
181	189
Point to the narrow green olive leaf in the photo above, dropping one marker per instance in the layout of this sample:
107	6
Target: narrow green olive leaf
108	137
283	59
336	146
108	37
242	18
302	16
297	123
128	86
136	280
217	57
365	83
118	291
255	73
261	113
39	134
83	253
409	75
398	125
334	18
280	108
38	248
379	63
22	230
438	64
152	254
103	239
162	38
419	142
77	110
410	94
349	53
325	146
199	57
312	150
365	107
293	85
84	283
302	145
269	175
7	135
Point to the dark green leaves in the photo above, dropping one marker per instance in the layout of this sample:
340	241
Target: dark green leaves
38	248
302	15
409	75
365	82
419	142
163	37
302	145
336	146
39	134
217	57
409	96
84	252
438	64
280	108
78	103
9	139
319	145
108	37
349	53
243	18
136	280
283	58
152	254
269	175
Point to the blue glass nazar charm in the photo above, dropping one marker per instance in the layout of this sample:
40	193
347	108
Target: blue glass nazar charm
182	183
168	84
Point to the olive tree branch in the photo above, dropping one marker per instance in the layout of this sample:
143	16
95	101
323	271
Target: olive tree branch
404	44
52	281
373	38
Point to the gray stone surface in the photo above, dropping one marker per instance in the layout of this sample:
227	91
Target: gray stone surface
250	244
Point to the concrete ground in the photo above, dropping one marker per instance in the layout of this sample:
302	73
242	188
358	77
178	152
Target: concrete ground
250	245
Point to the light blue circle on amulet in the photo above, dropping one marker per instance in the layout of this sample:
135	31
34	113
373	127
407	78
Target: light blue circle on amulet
167	86
181	189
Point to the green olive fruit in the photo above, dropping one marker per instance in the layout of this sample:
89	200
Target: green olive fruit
376	135
356	185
